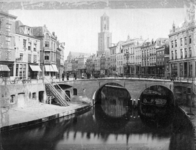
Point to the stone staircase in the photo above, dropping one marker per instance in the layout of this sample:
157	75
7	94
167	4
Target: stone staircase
52	91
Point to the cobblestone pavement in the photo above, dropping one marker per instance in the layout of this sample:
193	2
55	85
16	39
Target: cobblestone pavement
27	114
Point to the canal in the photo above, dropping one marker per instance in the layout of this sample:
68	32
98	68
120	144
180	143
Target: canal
112	124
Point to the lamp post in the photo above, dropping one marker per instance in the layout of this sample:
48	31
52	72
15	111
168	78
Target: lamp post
126	55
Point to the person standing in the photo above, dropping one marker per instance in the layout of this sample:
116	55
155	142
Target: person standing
63	76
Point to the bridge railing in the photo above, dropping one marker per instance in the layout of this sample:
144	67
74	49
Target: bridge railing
150	77
10	81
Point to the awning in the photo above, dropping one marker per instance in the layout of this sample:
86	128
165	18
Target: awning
55	68
4	68
35	68
48	68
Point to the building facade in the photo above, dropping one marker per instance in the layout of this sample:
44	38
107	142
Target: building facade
7	53
162	57
182	46
112	66
78	61
82	65
27	48
138	60
148	67
90	66
129	48
120	63
48	48
103	65
97	63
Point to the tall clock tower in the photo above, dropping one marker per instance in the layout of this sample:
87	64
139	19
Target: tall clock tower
104	37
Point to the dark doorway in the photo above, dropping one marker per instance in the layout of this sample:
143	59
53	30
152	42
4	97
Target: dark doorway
75	91
41	96
68	93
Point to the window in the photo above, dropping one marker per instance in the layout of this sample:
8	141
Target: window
185	41
12	100
190	53
185	53
172	55
29	47
8	27
46	43
46	57
24	43
35	58
172	44
8	40
175	43
181	53
175	54
180	41
29	57
34	96
0	24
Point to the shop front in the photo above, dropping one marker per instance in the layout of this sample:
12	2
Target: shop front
34	71
4	71
50	71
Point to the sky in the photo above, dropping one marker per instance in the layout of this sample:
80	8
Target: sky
79	28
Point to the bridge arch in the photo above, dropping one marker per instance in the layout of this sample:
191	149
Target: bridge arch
154	92
134	86
98	93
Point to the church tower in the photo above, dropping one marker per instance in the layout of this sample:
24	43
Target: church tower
104	37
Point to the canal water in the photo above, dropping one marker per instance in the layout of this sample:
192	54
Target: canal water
112	125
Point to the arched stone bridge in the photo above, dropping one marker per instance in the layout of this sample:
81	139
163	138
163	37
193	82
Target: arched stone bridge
134	86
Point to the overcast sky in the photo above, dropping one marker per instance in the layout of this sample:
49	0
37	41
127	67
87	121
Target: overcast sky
79	28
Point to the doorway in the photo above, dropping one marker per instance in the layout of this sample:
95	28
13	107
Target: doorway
41	96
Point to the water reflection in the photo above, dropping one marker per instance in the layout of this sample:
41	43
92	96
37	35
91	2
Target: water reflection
109	123
156	106
112	96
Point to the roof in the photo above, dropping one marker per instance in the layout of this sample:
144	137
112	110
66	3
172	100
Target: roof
37	31
7	15
78	54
